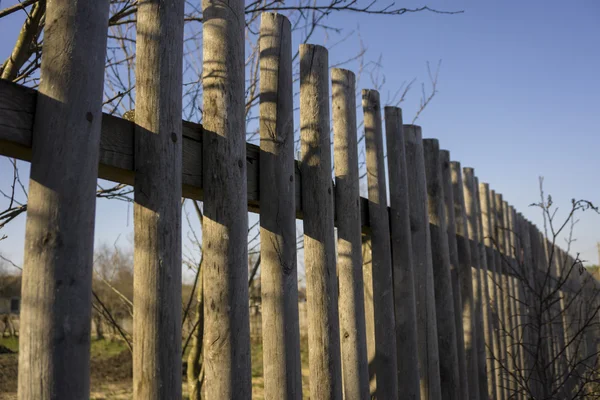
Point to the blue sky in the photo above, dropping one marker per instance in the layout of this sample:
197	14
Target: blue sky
519	95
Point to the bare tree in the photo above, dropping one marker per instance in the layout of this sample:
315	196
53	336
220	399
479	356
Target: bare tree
554	352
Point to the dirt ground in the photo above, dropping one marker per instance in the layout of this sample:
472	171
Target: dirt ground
110	376
111	372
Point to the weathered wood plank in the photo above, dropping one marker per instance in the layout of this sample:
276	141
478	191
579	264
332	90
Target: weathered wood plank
465	274
157	206
279	273
226	347
383	291
487	235
54	349
17	111
350	273
429	364
469	190
444	298
319	239
454	272
402	260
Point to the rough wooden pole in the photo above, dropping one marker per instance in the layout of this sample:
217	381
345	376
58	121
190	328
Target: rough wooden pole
502	295
54	348
488	336
518	298
470	194
429	364
347	200
527	293
319	241
507	287
225	234
466	280
383	290
488	234
157	194
279	274
369	311
454	273
444	299
402	261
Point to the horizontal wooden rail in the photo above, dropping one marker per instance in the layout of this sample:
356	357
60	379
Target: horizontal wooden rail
17	111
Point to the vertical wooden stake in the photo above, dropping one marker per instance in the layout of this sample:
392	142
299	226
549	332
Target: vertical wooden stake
383	290
444	299
225	235
487	336
429	364
347	200
470	195
157	211
319	241
486	209
454	273
54	349
404	289
279	274
507	288
466	280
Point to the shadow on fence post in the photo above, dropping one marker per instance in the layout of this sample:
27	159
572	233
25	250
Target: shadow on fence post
429	364
54	350
349	265
319	241
444	299
279	275
402	259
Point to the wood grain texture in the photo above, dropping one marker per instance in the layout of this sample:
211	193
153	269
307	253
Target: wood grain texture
383	291
454	272
487	234
319	240
279	273
54	348
349	247
444	298
469	189
429	364
501	270
225	228
507	288
17	111
487	335
402	259
157	196
465	275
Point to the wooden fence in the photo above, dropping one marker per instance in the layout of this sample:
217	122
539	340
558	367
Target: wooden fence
425	297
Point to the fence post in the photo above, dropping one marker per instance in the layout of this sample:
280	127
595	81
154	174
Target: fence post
279	275
488	234
429	364
319	241
157	194
466	280
404	289
347	201
444	299
454	273
469	189
383	290
225	234
54	350
487	337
